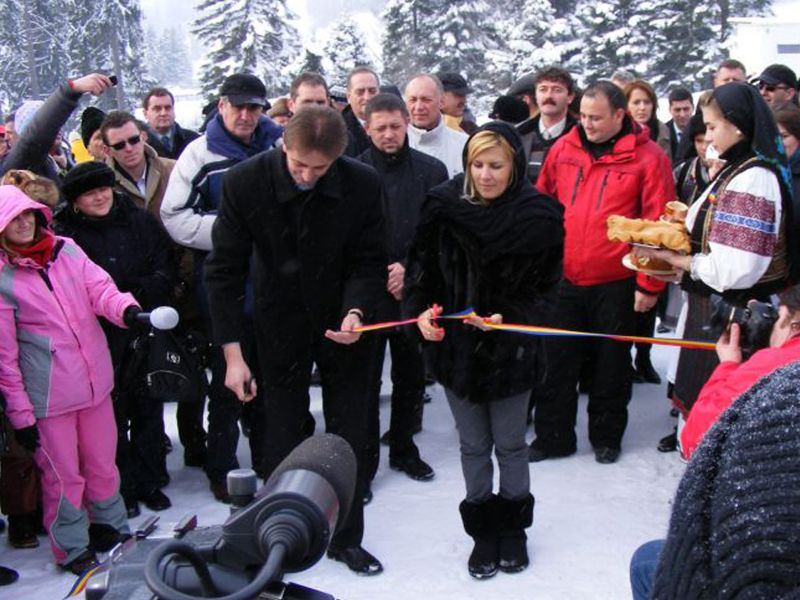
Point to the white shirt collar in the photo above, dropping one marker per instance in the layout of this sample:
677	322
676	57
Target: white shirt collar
550	133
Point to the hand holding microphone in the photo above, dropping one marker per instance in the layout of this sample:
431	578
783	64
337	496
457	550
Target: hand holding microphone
162	317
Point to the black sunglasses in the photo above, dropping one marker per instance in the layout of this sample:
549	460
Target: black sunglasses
772	88
132	141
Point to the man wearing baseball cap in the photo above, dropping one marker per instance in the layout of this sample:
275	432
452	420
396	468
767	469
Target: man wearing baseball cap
454	102
778	86
237	132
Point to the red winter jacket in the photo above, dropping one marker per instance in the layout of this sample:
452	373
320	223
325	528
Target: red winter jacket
634	180
729	381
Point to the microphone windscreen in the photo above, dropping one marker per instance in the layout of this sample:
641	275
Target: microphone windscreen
330	457
164	317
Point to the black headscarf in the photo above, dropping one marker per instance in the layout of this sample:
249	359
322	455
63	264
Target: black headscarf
742	105
504	225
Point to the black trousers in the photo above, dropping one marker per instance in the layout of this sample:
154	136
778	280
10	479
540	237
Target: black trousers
224	412
605	308
285	380
140	453
408	385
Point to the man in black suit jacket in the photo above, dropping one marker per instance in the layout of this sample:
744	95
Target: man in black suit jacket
681	107
166	137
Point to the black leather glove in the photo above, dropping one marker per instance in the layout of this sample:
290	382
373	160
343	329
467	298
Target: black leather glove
28	438
129	316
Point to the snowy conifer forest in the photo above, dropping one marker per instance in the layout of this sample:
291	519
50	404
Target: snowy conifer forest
668	42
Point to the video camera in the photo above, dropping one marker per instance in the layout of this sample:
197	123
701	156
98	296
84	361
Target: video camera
284	527
755	321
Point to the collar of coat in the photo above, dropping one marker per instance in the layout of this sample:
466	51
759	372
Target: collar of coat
329	185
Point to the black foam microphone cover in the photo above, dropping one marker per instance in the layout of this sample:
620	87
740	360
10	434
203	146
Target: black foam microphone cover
329	456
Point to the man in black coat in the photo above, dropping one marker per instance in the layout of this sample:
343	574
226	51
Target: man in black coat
362	84
681	107
407	175
312	222
166	137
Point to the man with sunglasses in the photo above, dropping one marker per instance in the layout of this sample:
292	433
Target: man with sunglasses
140	172
778	86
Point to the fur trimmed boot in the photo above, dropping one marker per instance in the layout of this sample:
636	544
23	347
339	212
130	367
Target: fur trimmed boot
480	523
514	517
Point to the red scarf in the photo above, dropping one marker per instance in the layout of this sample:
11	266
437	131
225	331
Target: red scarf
39	252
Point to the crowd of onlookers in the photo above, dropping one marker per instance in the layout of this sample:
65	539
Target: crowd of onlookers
282	227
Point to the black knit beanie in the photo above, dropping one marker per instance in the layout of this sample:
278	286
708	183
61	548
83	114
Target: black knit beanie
85	177
91	119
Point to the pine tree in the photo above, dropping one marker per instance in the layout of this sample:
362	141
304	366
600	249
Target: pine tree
254	36
531	40
107	37
175	56
613	36
671	64
407	44
154	53
31	51
465	34
311	62
345	50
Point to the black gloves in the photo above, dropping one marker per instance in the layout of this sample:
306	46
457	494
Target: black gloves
129	316
28	438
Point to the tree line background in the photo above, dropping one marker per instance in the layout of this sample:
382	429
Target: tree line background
668	42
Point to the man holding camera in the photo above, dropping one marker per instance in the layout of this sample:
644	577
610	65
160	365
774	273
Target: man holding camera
732	377
729	381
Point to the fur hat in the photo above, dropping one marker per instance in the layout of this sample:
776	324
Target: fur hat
85	177
37	188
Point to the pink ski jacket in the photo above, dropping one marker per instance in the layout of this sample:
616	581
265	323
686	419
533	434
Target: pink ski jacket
54	358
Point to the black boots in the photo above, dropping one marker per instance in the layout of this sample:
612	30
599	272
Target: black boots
480	523
515	516
498	528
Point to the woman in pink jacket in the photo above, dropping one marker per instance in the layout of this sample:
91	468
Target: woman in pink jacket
56	375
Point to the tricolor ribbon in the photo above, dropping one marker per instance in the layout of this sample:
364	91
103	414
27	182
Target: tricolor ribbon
82	581
545	331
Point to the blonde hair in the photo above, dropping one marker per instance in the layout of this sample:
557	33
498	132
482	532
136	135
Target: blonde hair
478	143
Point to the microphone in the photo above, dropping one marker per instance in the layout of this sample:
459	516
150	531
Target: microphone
163	317
286	528
299	507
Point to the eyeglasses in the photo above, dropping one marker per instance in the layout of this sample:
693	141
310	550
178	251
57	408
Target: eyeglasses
772	88
131	141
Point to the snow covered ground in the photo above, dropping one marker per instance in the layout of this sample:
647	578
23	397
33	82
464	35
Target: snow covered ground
588	519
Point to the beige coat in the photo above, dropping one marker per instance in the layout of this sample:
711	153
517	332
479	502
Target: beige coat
158	172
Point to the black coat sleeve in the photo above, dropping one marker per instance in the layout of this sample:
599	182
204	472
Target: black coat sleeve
156	287
32	147
366	258
227	267
424	284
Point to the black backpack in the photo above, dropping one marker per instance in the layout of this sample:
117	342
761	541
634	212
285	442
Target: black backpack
167	366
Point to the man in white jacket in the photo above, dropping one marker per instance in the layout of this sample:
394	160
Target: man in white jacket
428	132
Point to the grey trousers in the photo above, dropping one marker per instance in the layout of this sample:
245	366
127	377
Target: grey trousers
500	424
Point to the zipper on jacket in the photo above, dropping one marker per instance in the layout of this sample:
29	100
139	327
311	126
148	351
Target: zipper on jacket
602	187
575	188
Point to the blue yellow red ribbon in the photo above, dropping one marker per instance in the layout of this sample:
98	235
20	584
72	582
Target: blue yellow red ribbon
80	584
545	331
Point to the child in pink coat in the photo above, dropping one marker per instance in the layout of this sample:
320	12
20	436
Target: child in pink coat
56	375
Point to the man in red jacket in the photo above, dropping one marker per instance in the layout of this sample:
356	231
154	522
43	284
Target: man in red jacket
606	166
732	377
